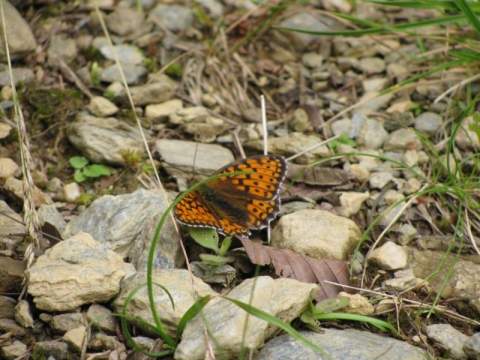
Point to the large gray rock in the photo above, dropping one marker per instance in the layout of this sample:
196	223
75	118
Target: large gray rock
104	139
341	344
133	73
20	75
126	224
19	34
227	323
179	284
173	17
472	346
74	272
316	233
448	338
161	89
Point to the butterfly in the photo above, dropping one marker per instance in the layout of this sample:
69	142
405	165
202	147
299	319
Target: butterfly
234	204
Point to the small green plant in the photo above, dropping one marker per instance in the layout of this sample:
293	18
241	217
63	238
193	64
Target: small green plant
342	140
86	171
208	238
174	70
95	74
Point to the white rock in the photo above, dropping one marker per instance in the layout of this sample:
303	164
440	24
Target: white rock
163	110
76	271
449	338
389	256
76	337
4	130
311	232
378	180
351	202
283	298
100	106
71	192
8	168
403	139
23	314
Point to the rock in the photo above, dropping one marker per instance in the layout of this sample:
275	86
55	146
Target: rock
126	224
357	304
23	314
312	60
370	66
179	284
471	347
71	192
20	75
163	110
389	256
374	84
351	202
54	348
76	337
301	121
8	168
15	188
307	21
15	350
11	275
156	92
19	34
4	130
293	143
102	318
187	156
404	280
341	344
104	139
66	322
223	274
214	7
7	307
467	137
61	48
127	54
48	214
133	73
284	298
448	338
428	122
389	214
379	180
10	326
100	341
373	102
76	271
461	284
403	139
175	18
371	133
102	107
310	232
123	20
398	71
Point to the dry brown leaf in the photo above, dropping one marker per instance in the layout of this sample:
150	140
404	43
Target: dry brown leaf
290	264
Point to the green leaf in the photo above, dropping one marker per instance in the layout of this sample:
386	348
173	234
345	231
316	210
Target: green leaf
174	70
215	260
191	313
78	162
96	170
78	176
226	243
208	238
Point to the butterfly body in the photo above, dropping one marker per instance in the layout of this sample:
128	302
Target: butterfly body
246	197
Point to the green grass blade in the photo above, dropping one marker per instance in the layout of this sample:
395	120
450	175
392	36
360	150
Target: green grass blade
379	324
272	320
419	4
191	313
469	14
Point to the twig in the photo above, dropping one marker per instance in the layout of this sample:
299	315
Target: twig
456	87
313	147
469	232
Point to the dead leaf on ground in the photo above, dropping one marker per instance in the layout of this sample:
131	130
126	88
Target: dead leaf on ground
290	264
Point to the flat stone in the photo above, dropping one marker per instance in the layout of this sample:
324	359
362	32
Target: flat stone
175	18
124	20
177	281
163	110
371	133
448	338
371	65
66	322
15	350
48	214
102	107
19	34
379	180
373	102
101	341
11	326
471	347
126	224
7	307
102	318
127	54
23	314
71	192
341	344
104	139
213	7
428	122
189	156
133	73
389	256
8	168
14	187
283	298
161	90
310	232
76	337
20	75
76	271
11	274
62	48
403	139
466	137
357	304
4	130
351	202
